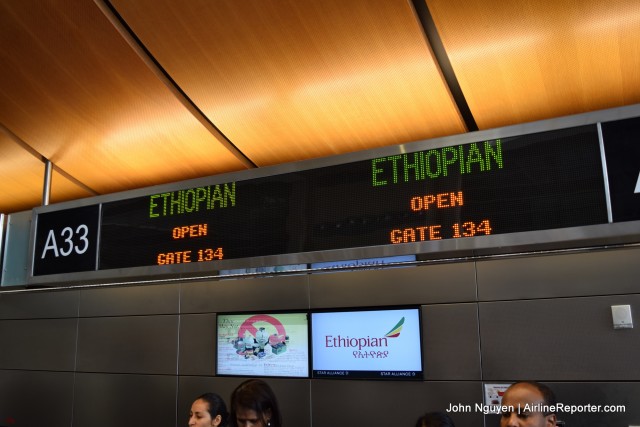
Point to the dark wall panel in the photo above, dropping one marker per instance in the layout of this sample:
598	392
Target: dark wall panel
30	398
550	276
38	304
138	361
277	293
108	400
293	396
451	342
395	286
131	300
133	344
379	403
197	344
39	344
559	340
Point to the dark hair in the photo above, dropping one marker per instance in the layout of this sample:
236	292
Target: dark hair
547	394
255	395
435	419
216	407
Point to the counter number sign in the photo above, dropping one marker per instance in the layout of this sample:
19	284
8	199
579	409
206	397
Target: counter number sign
66	241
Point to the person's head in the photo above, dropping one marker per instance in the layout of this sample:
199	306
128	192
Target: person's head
208	410
435	419
528	404
253	404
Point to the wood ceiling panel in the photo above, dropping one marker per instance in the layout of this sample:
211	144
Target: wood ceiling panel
22	180
21	177
288	80
63	190
77	93
526	60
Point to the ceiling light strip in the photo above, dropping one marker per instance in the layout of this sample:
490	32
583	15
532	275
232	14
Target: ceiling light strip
140	49
442	60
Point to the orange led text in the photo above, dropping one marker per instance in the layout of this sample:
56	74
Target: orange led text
185	231
442	200
416	234
179	257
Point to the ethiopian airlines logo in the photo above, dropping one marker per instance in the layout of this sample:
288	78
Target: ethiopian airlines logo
339	341
395	331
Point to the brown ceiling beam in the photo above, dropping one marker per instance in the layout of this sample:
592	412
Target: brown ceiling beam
442	60
140	49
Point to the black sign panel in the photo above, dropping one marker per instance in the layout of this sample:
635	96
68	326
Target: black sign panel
66	241
532	182
622	150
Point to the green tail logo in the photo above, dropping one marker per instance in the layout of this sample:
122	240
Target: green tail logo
395	331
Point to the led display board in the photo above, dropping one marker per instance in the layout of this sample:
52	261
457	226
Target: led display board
263	344
537	181
374	344
532	182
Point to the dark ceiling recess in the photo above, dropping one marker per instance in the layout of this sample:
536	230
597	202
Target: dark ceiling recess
431	32
123	28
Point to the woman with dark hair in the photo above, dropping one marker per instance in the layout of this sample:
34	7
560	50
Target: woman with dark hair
435	419
208	410
253	404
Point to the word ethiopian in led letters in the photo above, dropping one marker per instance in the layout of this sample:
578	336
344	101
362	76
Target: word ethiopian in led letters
432	164
192	200
435	163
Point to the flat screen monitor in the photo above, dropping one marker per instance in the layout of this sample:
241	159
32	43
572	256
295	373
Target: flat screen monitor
263	344
367	344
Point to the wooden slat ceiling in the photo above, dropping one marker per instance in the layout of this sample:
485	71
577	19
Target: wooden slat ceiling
126	94
288	79
525	60
21	176
74	91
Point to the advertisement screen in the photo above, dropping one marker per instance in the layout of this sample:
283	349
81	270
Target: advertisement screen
375	344
259	344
